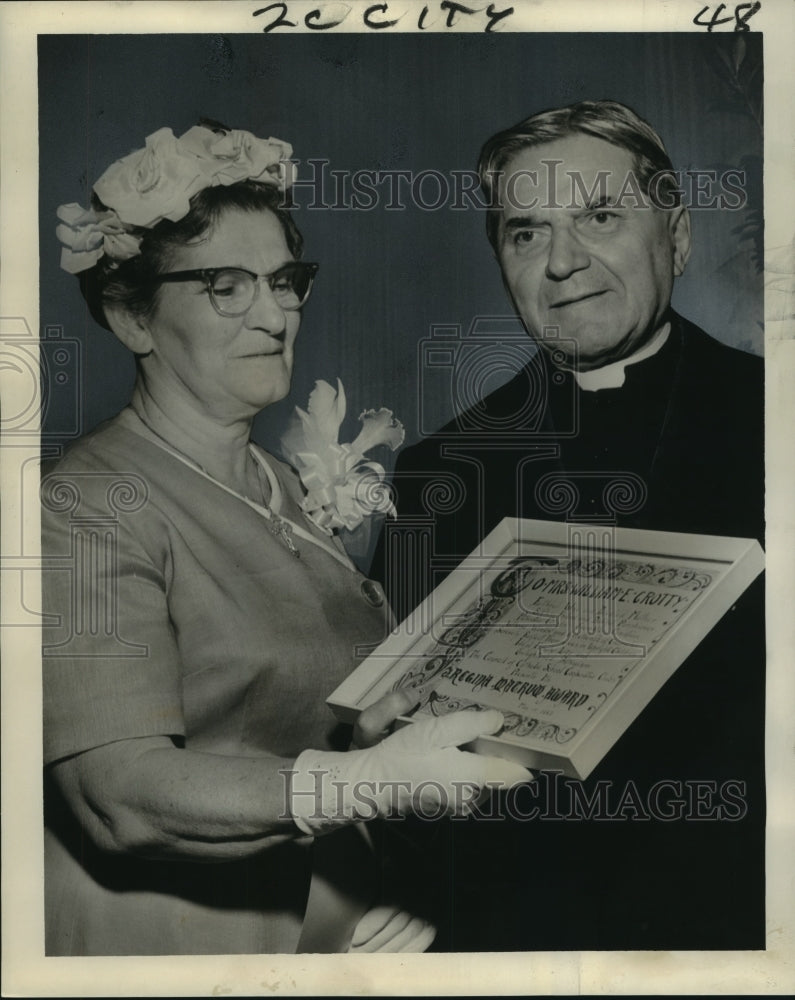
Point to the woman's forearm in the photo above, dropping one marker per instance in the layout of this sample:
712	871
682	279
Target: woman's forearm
148	797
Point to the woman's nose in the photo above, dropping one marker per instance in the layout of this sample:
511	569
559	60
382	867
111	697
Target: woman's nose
265	312
566	254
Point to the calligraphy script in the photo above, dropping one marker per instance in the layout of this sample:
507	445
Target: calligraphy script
549	642
381	16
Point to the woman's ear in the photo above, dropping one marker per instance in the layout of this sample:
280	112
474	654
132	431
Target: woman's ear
131	330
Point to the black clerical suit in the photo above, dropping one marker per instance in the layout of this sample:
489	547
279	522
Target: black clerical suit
684	435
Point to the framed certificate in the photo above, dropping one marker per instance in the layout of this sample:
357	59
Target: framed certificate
568	629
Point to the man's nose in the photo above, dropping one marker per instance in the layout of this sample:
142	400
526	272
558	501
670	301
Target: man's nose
265	312
566	254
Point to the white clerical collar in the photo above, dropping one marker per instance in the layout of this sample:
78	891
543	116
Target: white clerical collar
612	376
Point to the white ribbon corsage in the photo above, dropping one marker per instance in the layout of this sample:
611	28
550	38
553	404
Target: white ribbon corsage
342	486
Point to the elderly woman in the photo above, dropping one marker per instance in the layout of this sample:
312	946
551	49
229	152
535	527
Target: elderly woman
191	762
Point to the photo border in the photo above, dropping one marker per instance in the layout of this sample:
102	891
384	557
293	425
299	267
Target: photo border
26	972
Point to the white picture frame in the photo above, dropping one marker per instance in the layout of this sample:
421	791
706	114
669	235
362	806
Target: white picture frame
619	608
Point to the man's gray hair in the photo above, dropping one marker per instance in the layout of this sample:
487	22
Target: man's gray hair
607	120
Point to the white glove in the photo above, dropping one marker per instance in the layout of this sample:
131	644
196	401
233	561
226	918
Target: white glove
417	769
390	929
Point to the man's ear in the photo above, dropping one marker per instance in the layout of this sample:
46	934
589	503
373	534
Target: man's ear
131	330
679	226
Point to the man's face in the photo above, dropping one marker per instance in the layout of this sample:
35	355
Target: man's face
574	259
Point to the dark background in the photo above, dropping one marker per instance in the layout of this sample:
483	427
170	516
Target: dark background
388	102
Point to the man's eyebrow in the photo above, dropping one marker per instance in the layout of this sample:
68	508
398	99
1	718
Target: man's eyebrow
603	201
521	222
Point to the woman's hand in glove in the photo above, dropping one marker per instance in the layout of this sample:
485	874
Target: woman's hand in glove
391	929
418	769
375	723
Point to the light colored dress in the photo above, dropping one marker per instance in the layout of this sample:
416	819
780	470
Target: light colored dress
178	612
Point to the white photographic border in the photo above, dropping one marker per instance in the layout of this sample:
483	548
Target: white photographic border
26	972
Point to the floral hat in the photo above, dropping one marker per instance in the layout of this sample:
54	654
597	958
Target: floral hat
158	181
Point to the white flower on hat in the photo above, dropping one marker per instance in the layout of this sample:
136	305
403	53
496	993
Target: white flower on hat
238	155
158	181
153	183
87	234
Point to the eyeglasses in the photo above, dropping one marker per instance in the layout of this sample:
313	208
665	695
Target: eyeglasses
234	290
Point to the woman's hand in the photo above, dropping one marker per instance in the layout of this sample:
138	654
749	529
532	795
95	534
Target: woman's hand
415	770
387	928
375	723
147	797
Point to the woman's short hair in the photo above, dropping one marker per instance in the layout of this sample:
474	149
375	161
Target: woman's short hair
607	120
131	283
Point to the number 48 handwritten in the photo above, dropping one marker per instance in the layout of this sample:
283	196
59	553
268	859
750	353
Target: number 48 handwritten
742	13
